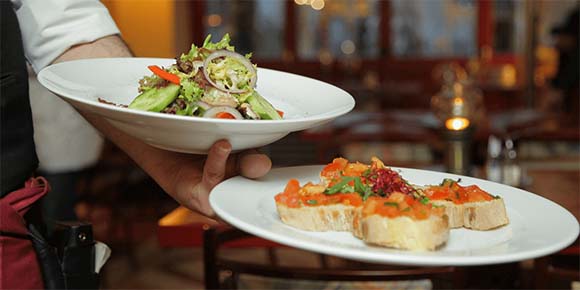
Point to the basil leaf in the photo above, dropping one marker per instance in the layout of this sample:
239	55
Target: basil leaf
362	189
424	200
312	201
388	203
339	186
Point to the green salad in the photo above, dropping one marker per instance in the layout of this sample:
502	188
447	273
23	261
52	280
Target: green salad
211	81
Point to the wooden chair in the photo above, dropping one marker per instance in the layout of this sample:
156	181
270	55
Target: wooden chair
215	265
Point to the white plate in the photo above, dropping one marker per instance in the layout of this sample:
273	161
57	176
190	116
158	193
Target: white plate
306	103
537	226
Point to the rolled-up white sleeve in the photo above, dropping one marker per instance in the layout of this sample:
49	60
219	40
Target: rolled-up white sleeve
50	27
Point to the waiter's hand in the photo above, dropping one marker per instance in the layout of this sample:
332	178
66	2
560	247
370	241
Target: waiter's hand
194	179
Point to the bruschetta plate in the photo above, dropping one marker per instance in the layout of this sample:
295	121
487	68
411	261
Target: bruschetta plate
537	226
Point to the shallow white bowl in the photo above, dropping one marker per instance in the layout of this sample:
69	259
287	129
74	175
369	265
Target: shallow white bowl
306	103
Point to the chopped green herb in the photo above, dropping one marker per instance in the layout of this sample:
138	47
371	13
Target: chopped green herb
424	200
447	182
438	206
388	203
339	186
348	189
367	173
312	201
362	189
406	209
367	194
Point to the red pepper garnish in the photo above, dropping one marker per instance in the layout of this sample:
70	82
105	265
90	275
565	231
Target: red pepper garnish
386	181
164	74
224	115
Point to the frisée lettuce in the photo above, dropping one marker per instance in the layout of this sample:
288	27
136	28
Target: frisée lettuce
210	81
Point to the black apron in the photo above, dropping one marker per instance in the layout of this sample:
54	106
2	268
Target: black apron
18	158
69	264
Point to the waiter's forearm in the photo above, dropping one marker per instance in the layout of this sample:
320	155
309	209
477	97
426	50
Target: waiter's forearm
152	160
108	46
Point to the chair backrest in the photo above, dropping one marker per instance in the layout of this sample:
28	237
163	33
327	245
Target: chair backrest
218	238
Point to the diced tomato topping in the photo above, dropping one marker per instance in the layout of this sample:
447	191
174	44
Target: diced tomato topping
399	204
458	194
355	169
292	187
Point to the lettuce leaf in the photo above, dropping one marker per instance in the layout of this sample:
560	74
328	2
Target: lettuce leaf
196	54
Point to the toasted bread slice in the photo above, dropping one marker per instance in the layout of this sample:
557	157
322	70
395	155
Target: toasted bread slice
334	217
400	221
467	206
453	211
403	232
485	215
481	215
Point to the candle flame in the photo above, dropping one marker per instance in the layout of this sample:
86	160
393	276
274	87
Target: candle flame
457	123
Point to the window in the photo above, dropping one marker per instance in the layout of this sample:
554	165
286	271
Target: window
337	29
254	26
433	29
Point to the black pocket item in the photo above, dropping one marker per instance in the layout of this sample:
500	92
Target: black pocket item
76	250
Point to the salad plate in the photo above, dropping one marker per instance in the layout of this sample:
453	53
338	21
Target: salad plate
250	206
306	103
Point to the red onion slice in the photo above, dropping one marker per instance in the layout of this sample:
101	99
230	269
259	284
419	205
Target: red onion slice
211	113
238	57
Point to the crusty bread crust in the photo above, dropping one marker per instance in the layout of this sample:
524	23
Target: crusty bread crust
335	217
453	211
403	232
357	224
483	215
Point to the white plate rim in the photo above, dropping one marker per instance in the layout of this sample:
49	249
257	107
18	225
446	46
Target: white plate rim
45	75
399	259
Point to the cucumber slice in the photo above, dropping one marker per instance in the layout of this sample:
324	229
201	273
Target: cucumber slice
156	99
262	107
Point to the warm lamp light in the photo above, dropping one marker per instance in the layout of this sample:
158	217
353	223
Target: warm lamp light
214	20
317	4
458	105
457	123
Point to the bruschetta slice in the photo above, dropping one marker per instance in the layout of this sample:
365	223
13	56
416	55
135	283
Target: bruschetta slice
468	206
330	205
401	221
310	208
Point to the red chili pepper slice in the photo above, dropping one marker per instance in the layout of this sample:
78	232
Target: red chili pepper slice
164	74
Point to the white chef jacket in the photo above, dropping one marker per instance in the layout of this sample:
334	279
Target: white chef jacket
50	27
64	140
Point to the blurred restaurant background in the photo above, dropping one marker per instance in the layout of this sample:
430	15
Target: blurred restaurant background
476	87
